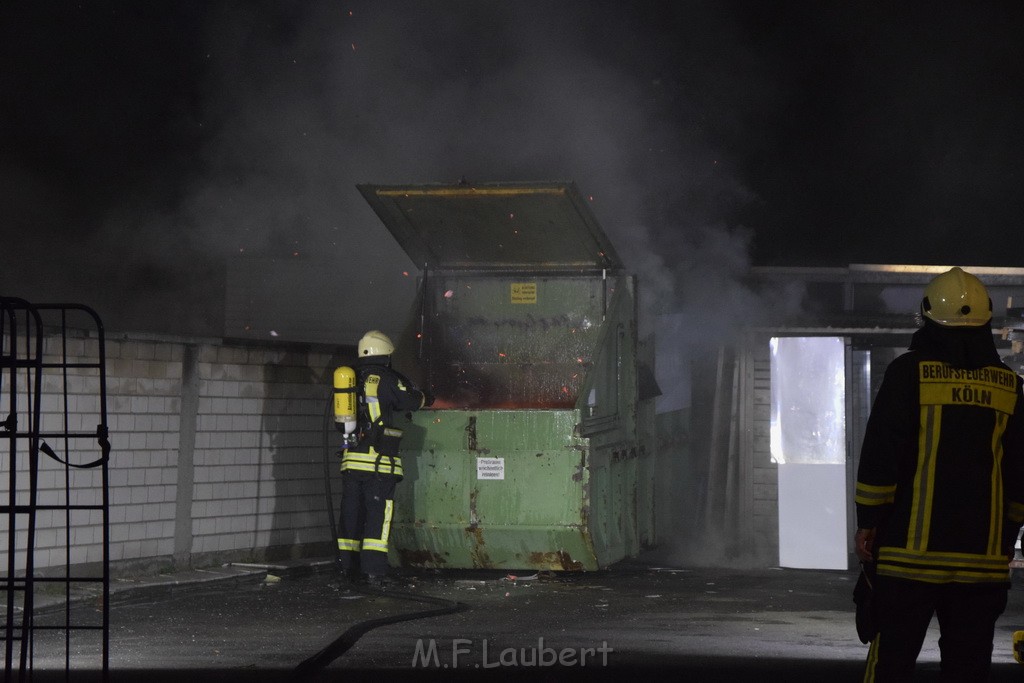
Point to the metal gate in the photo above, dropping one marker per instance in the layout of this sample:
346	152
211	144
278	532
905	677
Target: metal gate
53	509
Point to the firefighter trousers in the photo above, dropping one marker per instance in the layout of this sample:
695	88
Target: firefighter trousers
367	499
967	615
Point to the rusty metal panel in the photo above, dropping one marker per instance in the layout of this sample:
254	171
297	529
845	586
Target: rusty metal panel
571	493
494	225
531	512
511	341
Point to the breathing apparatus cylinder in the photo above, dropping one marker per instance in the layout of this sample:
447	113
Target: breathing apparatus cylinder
345	404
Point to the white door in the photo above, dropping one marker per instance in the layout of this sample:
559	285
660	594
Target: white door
808	442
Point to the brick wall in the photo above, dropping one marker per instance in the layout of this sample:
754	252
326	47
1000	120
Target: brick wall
765	473
217	452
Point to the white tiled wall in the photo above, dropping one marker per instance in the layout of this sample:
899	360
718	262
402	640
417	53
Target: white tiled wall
257	460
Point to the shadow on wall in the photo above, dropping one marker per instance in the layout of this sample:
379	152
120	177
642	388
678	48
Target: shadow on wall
296	454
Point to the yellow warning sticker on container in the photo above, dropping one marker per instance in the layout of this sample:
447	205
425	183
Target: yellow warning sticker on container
524	292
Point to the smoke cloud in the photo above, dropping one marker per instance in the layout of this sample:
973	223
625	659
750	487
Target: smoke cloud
267	115
705	133
147	144
304	104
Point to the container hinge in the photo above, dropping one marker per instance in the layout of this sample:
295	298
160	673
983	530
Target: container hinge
471	433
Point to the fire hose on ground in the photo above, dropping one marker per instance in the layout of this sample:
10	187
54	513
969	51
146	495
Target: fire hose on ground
340	645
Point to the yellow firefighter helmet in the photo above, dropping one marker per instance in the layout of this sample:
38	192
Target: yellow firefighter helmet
375	343
957	299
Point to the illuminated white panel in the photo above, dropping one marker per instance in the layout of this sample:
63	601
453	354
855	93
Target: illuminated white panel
808	441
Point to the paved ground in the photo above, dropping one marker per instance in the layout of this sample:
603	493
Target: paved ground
298	623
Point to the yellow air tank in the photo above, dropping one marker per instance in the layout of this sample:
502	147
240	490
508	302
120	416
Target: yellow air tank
345	403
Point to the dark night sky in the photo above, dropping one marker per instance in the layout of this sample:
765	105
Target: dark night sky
143	143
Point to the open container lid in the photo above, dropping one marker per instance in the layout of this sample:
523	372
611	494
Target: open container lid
506	226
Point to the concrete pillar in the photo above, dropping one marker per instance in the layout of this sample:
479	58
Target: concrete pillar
186	452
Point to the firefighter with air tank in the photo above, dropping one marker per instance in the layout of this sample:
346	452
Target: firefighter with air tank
367	399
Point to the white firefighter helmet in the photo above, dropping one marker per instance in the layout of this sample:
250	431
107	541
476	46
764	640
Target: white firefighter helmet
956	299
375	343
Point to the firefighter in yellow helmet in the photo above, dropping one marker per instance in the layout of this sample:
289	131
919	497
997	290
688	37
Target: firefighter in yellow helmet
940	488
372	467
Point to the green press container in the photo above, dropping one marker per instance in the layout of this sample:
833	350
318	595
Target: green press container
537	451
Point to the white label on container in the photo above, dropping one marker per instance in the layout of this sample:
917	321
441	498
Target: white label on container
490	468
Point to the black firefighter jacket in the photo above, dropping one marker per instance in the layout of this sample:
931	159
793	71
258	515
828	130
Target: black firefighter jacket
382	392
941	472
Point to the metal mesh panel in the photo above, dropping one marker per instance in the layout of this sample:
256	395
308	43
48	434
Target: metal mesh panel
53	488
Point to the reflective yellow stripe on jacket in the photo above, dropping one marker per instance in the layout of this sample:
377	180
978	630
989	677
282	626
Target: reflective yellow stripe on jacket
943	388
368	462
372	461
